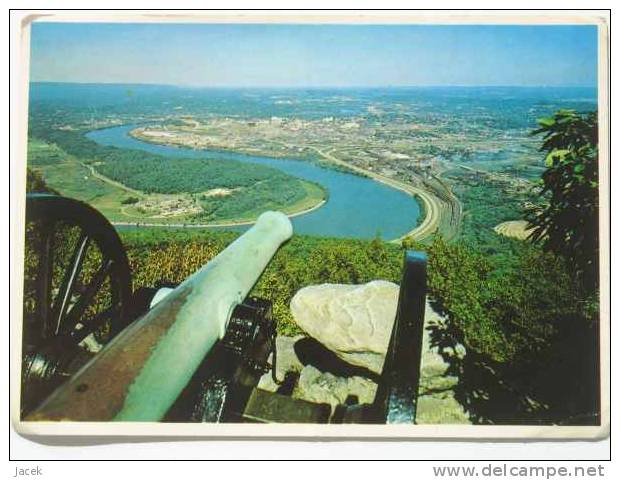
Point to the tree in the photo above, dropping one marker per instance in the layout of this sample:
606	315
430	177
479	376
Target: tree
567	222
36	183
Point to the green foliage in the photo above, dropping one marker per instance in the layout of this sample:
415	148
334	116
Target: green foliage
568	221
529	333
503	316
276	193
487	203
168	257
41	153
36	183
458	281
252	190
155	174
130	200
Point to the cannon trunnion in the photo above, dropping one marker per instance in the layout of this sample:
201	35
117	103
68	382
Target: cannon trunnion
196	352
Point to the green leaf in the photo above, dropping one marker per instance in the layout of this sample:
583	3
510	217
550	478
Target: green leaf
557	154
546	121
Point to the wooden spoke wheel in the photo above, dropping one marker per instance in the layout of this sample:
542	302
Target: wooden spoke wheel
77	289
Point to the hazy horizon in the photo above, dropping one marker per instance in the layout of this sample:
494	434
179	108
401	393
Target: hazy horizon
300	87
315	56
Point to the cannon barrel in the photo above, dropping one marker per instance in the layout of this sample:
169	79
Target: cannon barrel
140	374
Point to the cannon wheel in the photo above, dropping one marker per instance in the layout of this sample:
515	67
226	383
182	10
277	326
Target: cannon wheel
77	290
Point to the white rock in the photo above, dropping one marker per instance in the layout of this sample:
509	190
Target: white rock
354	321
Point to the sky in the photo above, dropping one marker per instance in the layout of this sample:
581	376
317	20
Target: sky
314	55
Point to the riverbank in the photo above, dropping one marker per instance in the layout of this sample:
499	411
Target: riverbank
212	225
357	206
431	207
78	178
314	200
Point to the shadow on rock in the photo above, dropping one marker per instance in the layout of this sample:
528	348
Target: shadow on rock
310	352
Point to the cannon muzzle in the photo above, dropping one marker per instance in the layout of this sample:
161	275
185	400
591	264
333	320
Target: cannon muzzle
139	375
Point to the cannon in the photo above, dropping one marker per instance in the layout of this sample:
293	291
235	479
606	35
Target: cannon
93	350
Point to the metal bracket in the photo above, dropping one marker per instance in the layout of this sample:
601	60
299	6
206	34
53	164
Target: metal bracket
397	394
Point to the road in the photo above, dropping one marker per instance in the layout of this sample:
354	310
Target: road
431	204
108	180
210	225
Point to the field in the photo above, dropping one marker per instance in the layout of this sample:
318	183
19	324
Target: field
518	229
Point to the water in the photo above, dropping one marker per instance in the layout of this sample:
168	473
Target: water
498	118
357	207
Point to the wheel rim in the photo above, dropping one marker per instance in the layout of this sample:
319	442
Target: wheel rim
77	286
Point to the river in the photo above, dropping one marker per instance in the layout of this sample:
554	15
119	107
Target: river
357	207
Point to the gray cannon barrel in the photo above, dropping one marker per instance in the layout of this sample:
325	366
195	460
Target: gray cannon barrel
140	374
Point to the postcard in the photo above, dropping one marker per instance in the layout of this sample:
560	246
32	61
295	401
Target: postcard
318	226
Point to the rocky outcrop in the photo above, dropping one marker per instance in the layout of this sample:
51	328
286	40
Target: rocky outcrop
436	402
440	408
353	321
286	361
324	387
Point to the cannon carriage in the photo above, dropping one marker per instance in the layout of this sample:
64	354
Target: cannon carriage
95	350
